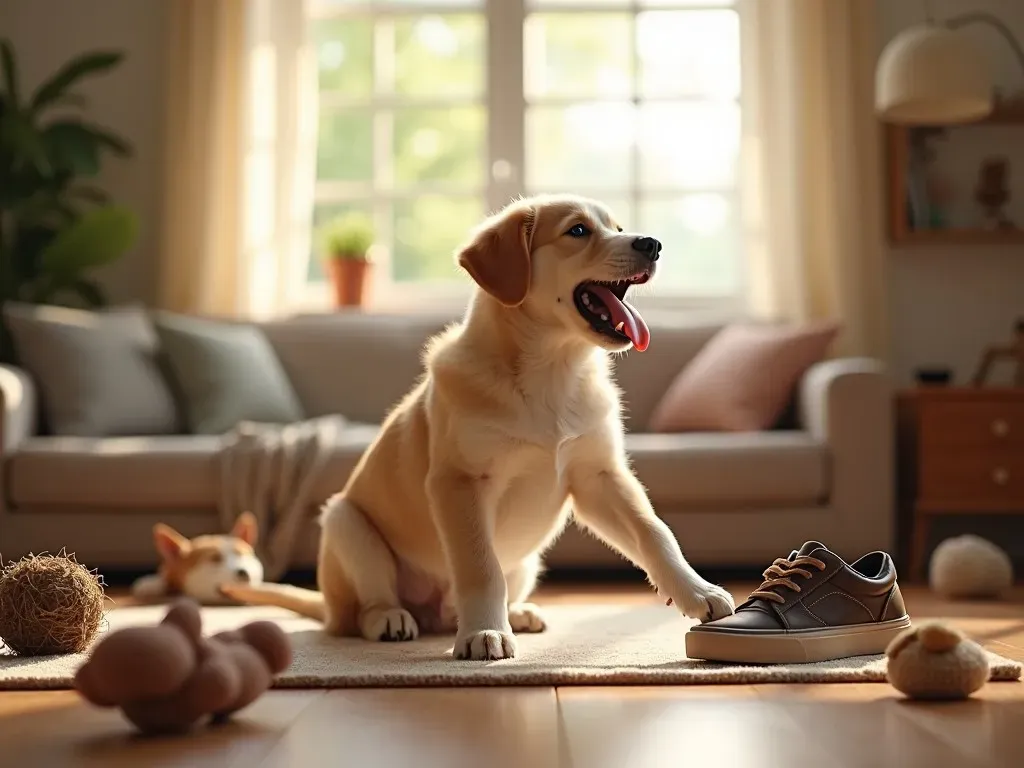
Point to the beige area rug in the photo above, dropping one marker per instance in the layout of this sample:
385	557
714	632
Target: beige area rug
584	645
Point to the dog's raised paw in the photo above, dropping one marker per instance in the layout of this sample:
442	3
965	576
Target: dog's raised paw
486	645
706	602
526	617
389	625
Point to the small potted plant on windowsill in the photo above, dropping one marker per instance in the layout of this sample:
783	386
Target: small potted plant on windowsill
348	244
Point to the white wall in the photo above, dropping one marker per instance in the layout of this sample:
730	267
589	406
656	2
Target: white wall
948	303
129	100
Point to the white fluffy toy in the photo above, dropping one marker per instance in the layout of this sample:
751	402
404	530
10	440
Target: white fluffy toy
969	567
935	661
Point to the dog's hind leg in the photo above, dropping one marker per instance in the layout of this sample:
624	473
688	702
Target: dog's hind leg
524	616
370	569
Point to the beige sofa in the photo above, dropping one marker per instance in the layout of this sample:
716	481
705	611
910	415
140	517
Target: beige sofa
732	499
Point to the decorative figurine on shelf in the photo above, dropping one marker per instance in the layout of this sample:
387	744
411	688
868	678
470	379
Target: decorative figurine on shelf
992	192
1013	352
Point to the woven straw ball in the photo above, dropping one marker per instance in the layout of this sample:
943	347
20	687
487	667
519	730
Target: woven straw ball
49	604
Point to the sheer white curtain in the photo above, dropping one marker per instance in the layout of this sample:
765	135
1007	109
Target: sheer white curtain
280	156
201	222
814	192
240	155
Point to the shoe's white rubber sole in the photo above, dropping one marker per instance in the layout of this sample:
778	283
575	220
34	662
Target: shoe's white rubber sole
792	647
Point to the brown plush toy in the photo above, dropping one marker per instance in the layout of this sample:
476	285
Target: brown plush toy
168	677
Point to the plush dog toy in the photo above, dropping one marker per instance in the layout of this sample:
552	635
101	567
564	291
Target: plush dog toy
168	677
935	661
197	567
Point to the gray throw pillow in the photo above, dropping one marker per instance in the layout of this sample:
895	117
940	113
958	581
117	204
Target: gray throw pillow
97	372
224	373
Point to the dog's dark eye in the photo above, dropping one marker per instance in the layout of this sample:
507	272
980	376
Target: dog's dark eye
578	230
216	558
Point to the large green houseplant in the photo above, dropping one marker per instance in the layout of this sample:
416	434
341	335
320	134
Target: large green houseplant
55	226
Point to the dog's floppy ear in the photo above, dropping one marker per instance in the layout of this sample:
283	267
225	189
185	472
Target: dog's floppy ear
498	256
169	543
246	528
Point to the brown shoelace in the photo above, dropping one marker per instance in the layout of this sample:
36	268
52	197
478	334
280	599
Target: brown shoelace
780	574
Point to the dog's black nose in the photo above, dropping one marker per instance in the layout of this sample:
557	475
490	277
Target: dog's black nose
648	246
242	575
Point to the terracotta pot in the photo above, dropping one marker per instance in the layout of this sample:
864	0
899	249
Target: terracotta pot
348	280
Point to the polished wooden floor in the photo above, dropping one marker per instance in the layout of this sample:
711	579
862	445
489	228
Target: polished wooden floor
868	726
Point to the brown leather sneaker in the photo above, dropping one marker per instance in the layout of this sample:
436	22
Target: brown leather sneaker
812	606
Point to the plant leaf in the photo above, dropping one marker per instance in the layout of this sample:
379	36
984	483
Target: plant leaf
25	145
89	292
74	70
10	72
71	145
99	237
90	193
108	139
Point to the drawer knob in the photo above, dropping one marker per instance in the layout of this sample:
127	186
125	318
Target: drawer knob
1000	428
1000	476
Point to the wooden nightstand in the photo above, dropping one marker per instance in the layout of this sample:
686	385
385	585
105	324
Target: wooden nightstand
961	453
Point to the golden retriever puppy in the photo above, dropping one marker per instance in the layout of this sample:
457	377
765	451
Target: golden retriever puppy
514	427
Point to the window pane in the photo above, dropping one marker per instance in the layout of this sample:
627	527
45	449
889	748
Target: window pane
700	235
439	55
689	53
440	145
689	145
576	55
323	213
344	49
585	145
345	146
428	229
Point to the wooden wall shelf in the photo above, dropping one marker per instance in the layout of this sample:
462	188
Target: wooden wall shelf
897	156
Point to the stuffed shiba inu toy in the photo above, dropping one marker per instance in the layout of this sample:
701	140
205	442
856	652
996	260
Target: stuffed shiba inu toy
197	567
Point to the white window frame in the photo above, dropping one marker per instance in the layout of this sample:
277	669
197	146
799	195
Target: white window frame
505	103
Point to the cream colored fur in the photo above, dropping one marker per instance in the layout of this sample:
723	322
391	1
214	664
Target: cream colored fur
516	422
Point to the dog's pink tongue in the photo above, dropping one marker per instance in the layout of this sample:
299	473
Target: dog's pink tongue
633	324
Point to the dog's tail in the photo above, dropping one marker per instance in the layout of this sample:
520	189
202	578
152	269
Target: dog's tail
306	602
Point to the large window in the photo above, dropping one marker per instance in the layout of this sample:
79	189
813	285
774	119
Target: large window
434	112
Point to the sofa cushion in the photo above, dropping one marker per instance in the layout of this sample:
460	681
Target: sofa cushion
97	372
162	472
743	378
225	373
729	469
356	364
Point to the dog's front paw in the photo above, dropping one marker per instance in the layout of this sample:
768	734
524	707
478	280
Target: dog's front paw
705	601
526	617
149	587
488	644
389	625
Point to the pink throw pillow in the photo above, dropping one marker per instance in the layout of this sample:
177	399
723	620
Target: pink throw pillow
742	379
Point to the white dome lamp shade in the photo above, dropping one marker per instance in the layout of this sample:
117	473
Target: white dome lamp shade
932	75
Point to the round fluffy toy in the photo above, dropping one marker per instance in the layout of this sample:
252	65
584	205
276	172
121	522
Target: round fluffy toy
934	661
966	567
49	604
169	677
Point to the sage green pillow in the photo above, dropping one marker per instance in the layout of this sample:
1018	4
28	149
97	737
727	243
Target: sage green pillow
224	373
97	372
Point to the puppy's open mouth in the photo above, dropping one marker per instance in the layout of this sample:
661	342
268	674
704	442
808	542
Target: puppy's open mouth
602	304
